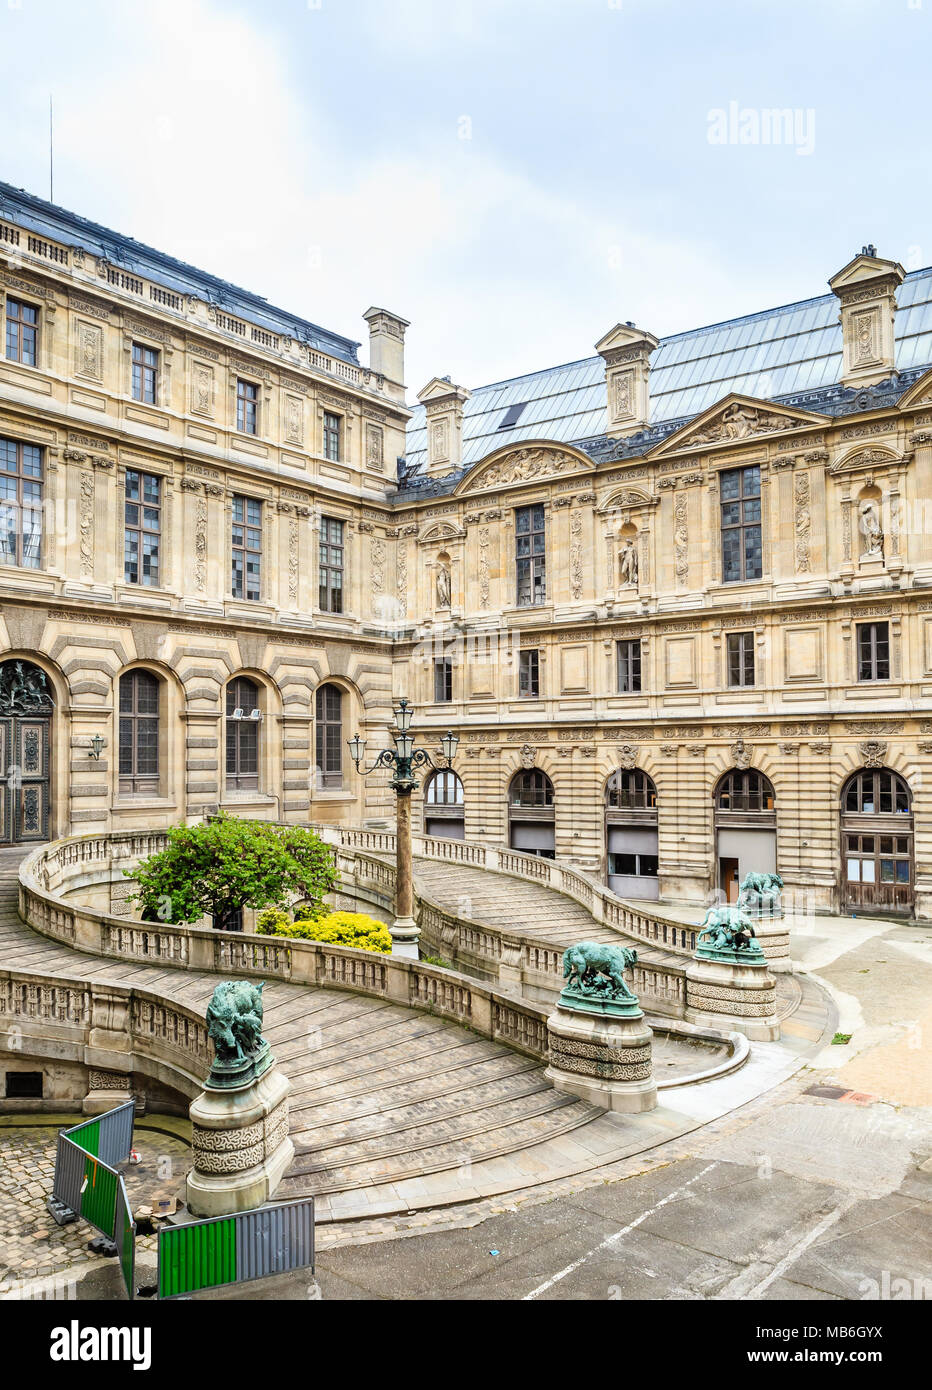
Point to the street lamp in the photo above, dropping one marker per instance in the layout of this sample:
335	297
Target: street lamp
403	759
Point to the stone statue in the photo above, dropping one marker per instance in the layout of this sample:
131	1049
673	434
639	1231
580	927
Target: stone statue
628	561
234	1020
598	971
759	893
727	929
443	587
869	515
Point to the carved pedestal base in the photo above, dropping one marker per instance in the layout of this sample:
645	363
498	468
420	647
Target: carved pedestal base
602	1058
241	1146
735	995
405	932
105	1091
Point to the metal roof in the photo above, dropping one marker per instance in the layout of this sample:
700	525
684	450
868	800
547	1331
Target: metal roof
770	355
124	252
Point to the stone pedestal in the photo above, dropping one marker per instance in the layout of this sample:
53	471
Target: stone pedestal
601	1052
105	1091
733	990
241	1146
405	933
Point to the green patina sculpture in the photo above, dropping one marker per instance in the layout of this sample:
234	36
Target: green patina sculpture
760	893
727	933
234	1025
594	976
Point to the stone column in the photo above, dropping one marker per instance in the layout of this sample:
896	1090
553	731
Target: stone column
600	1047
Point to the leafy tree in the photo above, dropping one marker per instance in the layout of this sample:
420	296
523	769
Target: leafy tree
224	864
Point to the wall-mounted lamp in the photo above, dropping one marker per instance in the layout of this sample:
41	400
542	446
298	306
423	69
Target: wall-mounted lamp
96	747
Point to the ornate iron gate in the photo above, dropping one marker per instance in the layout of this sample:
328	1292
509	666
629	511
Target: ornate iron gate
25	723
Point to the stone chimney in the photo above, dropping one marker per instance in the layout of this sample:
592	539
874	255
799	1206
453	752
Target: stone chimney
626	351
387	344
444	403
866	290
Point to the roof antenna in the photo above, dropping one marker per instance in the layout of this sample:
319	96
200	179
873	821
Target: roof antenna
51	157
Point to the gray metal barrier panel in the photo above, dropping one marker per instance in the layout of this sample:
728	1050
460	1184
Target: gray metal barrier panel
69	1173
124	1235
116	1133
274	1240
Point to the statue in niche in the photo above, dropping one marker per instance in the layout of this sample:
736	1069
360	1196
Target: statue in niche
443	587
628	562
869	522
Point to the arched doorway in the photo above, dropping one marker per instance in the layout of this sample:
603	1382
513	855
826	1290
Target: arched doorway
531	814
877	841
745	828
631	834
444	806
25	727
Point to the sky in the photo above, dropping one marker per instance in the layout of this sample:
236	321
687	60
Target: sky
512	176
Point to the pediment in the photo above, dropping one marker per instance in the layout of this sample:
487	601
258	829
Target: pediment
865	269
868	460
537	461
439	531
737	418
625	498
920	393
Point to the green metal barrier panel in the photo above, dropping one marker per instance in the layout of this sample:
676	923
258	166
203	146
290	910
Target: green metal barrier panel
87	1137
125	1237
199	1255
98	1196
235	1249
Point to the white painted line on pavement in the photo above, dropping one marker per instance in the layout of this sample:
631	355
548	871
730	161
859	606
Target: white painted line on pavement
617	1235
799	1249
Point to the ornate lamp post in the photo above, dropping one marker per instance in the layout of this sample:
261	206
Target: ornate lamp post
404	758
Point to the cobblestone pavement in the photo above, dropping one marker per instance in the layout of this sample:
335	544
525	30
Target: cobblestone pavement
34	1249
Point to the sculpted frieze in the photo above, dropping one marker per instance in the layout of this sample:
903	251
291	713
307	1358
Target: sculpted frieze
523	465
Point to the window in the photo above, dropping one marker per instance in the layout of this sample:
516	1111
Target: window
331	436
627	791
20	504
139	732
247	547
633	865
247	407
329	736
145	374
444	789
143	524
745	791
742	557
532	788
23	1085
629	666
22	332
331	565
876	793
511	416
873	651
242	735
443	680
529	674
530	556
740	658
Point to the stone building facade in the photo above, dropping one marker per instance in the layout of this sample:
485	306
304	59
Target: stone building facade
675	598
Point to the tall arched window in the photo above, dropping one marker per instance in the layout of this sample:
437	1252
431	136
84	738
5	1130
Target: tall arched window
444	810
877	841
746	790
531	788
139	732
242	735
630	791
444	789
873	792
329	737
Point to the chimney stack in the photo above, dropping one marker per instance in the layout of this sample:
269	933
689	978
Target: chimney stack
626	351
866	290
387	345
444	403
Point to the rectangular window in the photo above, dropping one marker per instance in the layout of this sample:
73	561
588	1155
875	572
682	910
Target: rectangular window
331	436
331	565
629	666
145	374
443	680
742	556
529	675
530	556
740	658
20	504
633	865
247	547
873	651
22	332
247	407
142	531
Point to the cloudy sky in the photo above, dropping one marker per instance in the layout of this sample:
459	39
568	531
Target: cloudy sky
513	176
